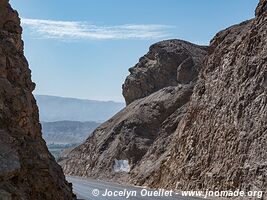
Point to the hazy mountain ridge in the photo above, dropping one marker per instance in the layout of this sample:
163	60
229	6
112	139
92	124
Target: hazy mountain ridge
67	132
54	108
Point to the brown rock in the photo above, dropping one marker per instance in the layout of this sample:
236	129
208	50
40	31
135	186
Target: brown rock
158	68
127	136
27	169
140	133
221	143
261	8
214	139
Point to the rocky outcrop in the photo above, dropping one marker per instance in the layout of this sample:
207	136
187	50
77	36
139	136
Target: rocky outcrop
27	170
167	63
128	135
221	142
261	8
214	138
146	125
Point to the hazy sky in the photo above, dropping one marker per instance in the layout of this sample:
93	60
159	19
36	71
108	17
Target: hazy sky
83	48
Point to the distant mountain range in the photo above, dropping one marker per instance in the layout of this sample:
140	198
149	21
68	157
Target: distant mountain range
67	132
54	108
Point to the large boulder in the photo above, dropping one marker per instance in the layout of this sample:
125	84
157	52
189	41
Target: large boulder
166	64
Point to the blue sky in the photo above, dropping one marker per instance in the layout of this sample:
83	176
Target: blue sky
83	48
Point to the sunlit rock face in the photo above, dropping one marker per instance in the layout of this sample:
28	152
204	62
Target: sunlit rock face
195	117
141	132
221	142
27	170
167	63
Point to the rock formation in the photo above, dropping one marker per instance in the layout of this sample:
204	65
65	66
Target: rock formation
261	8
147	123
166	64
213	136
221	142
27	169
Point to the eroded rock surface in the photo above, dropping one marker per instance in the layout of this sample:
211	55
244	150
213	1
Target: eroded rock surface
145	125
221	142
214	138
166	64
27	169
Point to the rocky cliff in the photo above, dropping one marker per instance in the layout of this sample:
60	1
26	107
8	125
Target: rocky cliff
167	63
221	142
195	117
146	125
27	170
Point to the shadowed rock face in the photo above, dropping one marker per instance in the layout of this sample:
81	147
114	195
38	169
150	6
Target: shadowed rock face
166	64
221	142
144	128
27	170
